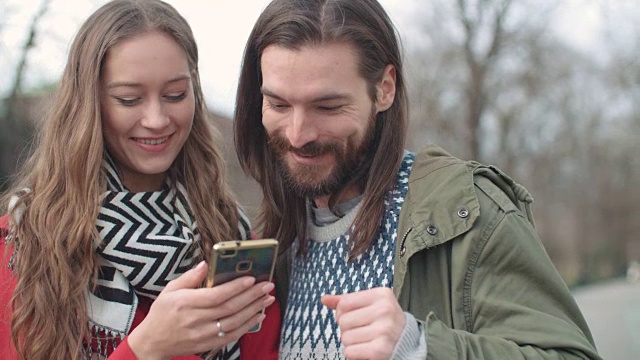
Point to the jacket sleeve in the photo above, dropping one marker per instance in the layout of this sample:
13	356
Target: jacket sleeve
123	352
516	305
263	344
7	286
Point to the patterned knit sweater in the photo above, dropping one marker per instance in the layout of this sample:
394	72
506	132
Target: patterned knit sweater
309	329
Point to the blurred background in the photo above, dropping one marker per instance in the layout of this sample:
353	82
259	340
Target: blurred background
547	90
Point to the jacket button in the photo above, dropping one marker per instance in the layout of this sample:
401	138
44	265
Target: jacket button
463	213
403	250
432	230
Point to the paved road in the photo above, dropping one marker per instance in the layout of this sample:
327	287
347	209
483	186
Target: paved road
612	311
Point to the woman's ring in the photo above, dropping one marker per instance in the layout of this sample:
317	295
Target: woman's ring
220	332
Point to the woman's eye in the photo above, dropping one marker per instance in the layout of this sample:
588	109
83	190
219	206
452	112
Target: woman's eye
176	97
127	101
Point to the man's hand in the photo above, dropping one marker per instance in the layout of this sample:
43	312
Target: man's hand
370	321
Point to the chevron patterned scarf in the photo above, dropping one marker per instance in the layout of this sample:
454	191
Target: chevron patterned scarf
146	240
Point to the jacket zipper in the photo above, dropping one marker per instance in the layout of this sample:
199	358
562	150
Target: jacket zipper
403	248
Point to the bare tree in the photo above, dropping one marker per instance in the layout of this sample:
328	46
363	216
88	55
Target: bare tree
463	45
490	82
15	130
479	58
29	43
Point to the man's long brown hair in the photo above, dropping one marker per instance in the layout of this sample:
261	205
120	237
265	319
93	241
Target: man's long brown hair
56	260
293	24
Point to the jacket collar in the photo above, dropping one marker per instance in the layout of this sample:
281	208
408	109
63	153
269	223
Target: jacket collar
441	203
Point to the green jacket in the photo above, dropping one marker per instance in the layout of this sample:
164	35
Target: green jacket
470	266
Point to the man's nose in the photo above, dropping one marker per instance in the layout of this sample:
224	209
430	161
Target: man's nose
301	129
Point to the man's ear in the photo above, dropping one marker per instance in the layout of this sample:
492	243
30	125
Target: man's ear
386	89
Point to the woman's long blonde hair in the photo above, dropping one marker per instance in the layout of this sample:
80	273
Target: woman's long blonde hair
56	261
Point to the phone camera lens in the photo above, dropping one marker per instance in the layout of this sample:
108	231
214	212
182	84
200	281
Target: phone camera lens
244	266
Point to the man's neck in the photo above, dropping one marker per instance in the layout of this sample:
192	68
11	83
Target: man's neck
348	194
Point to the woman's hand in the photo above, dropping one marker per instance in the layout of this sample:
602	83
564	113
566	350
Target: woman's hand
183	320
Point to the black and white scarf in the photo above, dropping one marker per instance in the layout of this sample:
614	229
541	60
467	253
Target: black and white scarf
146	240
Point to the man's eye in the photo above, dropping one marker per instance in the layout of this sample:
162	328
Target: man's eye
329	108
277	106
176	98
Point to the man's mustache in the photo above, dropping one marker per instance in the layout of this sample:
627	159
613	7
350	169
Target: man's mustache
314	148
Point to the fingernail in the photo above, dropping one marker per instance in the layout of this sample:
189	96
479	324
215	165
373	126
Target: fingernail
249	281
268	301
267	288
261	317
201	265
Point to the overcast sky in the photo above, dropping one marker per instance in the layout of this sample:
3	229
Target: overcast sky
221	28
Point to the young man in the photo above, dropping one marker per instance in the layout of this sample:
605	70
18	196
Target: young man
388	254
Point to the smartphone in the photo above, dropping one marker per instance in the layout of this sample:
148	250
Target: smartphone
234	259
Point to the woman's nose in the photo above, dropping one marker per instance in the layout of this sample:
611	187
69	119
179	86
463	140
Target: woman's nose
155	116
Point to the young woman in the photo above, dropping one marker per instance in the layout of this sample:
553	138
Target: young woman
110	221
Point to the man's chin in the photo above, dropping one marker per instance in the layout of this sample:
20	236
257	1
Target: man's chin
309	187
310	181
310	184
311	192
308	176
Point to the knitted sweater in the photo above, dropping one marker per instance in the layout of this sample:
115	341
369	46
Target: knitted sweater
310	330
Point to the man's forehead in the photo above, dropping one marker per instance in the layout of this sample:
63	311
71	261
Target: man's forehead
338	51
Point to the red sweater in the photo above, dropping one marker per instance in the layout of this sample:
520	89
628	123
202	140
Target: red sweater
261	345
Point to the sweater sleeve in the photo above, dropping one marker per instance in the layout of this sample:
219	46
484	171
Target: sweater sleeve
412	343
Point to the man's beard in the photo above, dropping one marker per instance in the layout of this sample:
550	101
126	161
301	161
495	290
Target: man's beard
308	180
